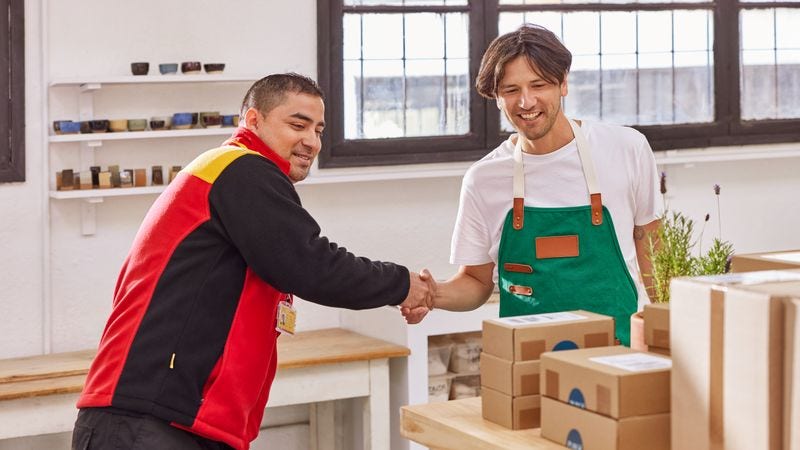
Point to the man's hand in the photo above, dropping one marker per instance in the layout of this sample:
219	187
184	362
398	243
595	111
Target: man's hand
415	312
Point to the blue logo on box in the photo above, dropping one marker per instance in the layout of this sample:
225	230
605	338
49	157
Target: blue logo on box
576	399
574	441
565	345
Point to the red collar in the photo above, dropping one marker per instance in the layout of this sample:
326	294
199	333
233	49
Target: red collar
243	137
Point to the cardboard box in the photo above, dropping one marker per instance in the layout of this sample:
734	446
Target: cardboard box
752	262
525	338
578	428
508	377
613	381
791	377
656	325
660	351
727	352
516	413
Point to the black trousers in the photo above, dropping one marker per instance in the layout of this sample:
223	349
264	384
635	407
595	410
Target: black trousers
103	429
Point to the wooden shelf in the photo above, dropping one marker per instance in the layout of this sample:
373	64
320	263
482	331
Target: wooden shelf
101	193
151	79
126	135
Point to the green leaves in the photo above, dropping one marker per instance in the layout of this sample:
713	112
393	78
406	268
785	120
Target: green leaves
671	254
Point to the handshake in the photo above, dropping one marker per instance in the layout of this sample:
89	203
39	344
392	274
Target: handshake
421	296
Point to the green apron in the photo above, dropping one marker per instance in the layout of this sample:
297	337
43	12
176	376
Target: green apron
561	259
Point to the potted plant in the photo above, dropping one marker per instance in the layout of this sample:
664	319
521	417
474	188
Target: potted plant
671	252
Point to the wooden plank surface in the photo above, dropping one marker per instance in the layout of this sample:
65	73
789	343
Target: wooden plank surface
45	366
333	345
44	386
458	424
60	373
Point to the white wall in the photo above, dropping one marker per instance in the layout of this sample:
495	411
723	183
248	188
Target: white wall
407	221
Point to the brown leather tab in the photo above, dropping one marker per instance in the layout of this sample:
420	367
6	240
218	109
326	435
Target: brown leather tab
520	268
520	290
597	209
557	246
519	210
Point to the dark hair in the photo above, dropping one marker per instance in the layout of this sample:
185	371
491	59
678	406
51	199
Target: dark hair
268	92
545	53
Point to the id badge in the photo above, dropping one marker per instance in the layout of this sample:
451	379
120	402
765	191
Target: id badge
287	317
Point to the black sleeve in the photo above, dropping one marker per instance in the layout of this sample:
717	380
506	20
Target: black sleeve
259	210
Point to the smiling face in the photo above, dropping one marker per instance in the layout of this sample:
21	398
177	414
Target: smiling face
531	103
292	129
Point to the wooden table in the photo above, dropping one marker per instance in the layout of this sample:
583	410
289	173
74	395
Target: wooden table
458	424
38	394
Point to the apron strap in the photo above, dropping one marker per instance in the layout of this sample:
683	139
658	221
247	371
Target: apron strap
519	186
585	154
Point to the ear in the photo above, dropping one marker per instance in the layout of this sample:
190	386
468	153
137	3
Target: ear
497	100
252	119
564	87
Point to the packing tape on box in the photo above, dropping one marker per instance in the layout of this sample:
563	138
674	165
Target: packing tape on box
716	340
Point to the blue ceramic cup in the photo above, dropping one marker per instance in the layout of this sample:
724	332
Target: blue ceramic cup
168	68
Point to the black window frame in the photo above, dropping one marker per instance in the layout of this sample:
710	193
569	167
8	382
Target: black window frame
12	80
726	129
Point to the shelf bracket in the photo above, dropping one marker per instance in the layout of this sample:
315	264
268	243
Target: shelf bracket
89	215
90	87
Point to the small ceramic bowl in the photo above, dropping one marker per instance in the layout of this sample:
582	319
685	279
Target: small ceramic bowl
98	126
140	68
160	123
181	121
190	67
137	124
66	127
168	68
212	121
213	68
227	120
118	125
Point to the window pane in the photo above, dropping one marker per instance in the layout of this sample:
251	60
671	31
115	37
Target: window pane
458	90
405	2
582	32
424	35
788	83
351	24
694	87
406	75
425	115
583	100
352	100
383	36
619	100
383	99
625	68
769	66
457	40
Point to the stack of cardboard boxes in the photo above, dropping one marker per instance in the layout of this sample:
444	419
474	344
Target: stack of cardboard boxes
510	359
610	398
736	361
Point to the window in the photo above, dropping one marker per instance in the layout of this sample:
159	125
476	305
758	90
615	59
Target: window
12	104
399	74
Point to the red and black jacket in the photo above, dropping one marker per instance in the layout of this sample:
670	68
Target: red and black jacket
191	337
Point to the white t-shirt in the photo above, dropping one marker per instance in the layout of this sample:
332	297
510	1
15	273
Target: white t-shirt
626	176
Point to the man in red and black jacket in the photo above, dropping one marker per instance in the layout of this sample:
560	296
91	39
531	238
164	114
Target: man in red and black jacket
188	355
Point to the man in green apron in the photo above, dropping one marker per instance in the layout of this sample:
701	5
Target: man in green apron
561	209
